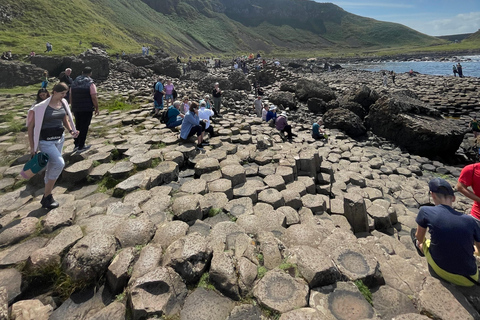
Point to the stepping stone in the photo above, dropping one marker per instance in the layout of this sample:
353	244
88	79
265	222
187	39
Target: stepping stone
168	172
6	183
170	232
302	314
292	198
20	252
316	203
59	217
240	206
213	200
101	157
137	149
117	274
290	214
78	171
141	161
331	302
249	189
100	171
222	186
11	280
194	186
204	304
169	140
356	212
133	232
187	208
278	291
207	165
121	170
275	181
52	252
137	181
390	303
304	235
160	291
380	216
188	151
272	197
354	265
219	154
16	231
223	275
286	173
31	307
234	173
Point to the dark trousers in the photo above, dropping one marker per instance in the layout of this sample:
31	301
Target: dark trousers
82	122
210	130
288	130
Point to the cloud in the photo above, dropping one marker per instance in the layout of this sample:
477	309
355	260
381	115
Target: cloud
373	4
461	23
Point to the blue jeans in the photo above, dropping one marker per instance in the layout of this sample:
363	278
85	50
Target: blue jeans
55	163
175	123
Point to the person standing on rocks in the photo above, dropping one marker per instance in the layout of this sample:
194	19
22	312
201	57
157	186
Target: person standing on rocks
192	125
454	70
393	75
169	87
65	78
158	94
475	127
450	251
460	70
46	122
83	97
385	80
470	177
258	106
217	98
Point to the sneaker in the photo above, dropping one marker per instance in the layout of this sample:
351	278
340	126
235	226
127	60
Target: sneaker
75	149
204	143
85	148
48	202
199	146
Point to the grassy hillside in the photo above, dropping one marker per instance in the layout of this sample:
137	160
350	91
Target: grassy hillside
220	27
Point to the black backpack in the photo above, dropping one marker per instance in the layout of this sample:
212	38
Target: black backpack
164	116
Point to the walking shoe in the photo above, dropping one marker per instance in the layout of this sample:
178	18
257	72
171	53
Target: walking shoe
85	148
75	149
199	146
48	202
204	143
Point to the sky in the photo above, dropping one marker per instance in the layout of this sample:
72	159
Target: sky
432	17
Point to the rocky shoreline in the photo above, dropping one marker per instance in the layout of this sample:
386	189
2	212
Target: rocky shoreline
252	227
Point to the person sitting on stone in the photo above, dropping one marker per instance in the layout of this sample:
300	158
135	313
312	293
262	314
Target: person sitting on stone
185	105
205	114
282	125
192	125
271	114
317	132
175	118
450	251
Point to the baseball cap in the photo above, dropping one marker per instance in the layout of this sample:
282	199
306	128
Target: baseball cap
438	185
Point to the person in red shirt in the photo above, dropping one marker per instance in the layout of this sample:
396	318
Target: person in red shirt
470	177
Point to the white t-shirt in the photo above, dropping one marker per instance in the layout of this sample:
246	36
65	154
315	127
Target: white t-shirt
205	114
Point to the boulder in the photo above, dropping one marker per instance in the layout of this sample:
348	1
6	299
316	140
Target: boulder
308	88
114	311
204	304
239	81
31	310
168	67
89	258
265	77
139	60
53	64
283	99
159	292
207	84
19	74
344	120
415	126
356	212
198	66
133	232
11	280
317	105
355	108
365	97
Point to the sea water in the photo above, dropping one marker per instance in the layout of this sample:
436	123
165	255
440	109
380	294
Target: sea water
470	66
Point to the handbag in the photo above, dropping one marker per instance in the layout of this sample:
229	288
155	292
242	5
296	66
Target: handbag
35	165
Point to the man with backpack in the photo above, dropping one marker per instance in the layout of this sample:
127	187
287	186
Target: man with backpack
158	94
450	251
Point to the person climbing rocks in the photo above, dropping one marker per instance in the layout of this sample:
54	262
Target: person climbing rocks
475	127
454	235
217	98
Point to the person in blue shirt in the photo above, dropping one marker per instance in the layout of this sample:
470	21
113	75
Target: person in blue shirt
272	113
317	132
175	118
192	125
454	236
158	96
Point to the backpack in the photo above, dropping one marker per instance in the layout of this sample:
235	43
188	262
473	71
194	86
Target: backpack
164	116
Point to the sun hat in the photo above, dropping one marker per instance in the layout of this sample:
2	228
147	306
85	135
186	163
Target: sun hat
272	107
439	185
284	113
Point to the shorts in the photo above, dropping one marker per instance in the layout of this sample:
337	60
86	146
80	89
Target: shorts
456	279
169	97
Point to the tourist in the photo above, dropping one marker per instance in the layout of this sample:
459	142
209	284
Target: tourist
393	75
175	118
317	132
42	94
260	91
475	127
217	98
185	105
470	177
169	87
158	94
65	77
208	102
49	47
258	106
83	97
45	122
192	125
282	125
32	53
450	251
411	73
9	55
385	80
144	50
271	114
205	114
454	70
460	70
265	112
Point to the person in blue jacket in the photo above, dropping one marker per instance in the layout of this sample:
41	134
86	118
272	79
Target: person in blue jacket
174	116
272	113
192	125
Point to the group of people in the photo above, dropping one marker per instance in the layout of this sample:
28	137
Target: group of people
7	55
145	51
385	77
458	69
50	115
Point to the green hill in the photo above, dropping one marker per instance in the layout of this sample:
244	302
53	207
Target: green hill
195	27
474	37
